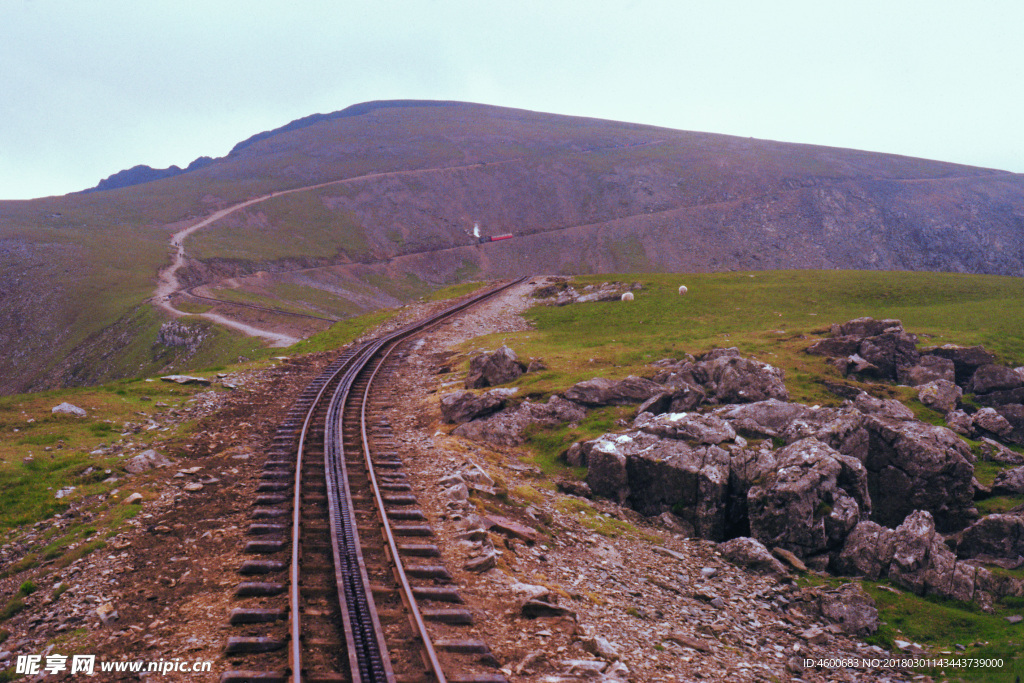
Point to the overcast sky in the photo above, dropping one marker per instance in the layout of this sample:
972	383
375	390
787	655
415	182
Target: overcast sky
88	88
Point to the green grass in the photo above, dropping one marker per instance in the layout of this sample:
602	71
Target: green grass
548	443
41	453
600	523
773	315
289	226
342	333
454	291
942	623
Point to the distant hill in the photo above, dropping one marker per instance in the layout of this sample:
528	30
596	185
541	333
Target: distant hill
407	183
136	175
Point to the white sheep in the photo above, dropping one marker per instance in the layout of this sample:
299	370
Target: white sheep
628	296
682	290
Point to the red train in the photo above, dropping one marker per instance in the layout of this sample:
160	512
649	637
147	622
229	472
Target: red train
495	238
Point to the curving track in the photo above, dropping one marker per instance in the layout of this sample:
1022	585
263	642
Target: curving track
351	590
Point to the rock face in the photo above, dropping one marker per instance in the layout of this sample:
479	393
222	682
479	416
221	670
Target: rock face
492	369
813	500
463	406
603	392
916	466
915	557
928	369
995	536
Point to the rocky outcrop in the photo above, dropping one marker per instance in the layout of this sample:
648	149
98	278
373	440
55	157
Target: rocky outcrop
560	293
601	391
811	502
492	369
914	556
508	427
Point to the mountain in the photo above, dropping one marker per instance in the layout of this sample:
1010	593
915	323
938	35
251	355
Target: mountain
378	203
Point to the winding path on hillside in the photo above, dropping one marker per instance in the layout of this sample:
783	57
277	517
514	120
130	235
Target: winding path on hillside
167	280
168	284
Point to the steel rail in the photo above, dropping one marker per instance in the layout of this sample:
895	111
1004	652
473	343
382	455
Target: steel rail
294	599
334	460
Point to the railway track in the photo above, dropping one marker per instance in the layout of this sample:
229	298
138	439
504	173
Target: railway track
343	583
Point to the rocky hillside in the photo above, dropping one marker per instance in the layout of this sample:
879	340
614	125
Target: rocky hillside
403	187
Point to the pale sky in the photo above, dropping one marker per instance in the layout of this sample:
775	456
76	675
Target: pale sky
90	87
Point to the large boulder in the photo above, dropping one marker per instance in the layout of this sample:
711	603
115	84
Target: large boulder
850	608
734	379
915	466
866	327
606	467
989	421
147	460
835	347
966	359
68	409
656	475
996	536
867	551
750	553
927	369
940	395
997	452
463	406
814	499
1001	397
883	407
991	377
601	391
889	351
492	369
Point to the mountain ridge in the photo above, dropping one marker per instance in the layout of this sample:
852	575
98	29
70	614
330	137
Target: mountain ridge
383	199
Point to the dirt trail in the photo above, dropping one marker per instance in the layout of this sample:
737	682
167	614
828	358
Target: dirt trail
167	280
